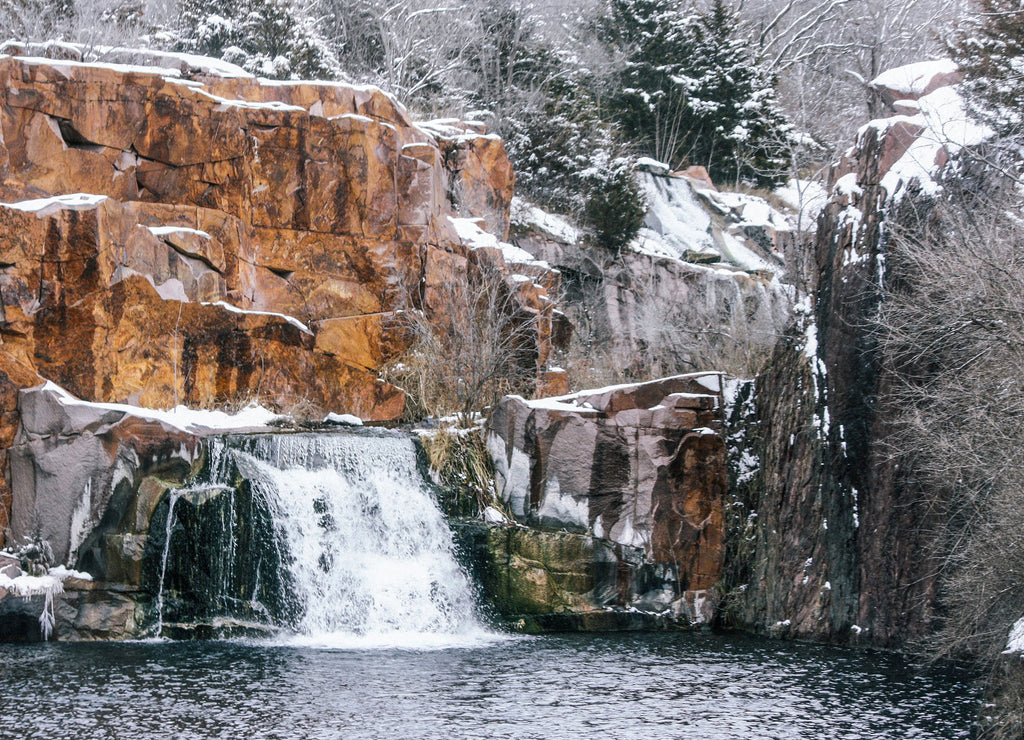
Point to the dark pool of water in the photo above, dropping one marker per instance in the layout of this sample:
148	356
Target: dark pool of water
654	685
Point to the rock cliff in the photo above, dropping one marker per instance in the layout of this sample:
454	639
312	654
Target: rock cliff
185	233
703	279
828	543
640	465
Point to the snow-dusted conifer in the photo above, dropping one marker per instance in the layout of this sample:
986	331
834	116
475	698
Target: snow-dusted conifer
691	94
271	38
990	52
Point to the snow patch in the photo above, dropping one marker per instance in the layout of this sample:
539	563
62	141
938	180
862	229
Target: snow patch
552	224
66	66
1015	641
492	515
180	417
946	126
44	207
290	319
913	79
49	586
473	236
168	230
349	419
806	197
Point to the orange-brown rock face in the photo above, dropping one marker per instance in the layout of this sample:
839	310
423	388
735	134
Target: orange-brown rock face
212	240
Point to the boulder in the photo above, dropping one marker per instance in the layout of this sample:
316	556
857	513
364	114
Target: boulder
642	465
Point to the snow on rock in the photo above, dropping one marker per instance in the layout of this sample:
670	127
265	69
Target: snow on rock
530	216
180	417
492	515
349	419
938	127
168	230
50	585
676	222
68	67
473	236
847	185
43	207
914	80
696	224
235	309
1015	641
166	63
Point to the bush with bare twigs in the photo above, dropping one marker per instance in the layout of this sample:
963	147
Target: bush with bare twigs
473	343
952	336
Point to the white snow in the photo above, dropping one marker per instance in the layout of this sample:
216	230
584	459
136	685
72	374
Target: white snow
653	165
167	230
684	222
550	223
946	125
26	586
205	65
711	381
349	419
180	417
676	222
64	573
570	402
806	197
250	105
555	404
847	185
1015	641
811	341
65	66
43	207
914	79
167	63
290	319
736	251
473	236
492	515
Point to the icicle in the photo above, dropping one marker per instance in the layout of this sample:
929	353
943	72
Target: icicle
47	619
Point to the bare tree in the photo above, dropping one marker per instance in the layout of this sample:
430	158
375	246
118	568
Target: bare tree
952	335
826	52
473	343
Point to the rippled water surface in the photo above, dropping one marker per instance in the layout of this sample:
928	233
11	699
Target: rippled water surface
660	685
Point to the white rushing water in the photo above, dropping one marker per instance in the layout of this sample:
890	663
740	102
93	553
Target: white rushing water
369	553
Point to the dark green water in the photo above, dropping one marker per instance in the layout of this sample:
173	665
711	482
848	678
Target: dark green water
653	685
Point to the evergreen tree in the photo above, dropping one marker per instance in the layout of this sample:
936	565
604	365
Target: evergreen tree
690	93
271	38
990	51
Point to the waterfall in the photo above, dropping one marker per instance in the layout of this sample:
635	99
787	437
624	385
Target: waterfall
169	526
367	554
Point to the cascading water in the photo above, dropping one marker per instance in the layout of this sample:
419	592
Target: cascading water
366	553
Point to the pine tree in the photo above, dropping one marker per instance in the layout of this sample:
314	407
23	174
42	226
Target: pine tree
990	51
690	93
271	38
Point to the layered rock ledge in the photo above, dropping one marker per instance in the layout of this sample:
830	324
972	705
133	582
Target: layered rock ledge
190	234
641	466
